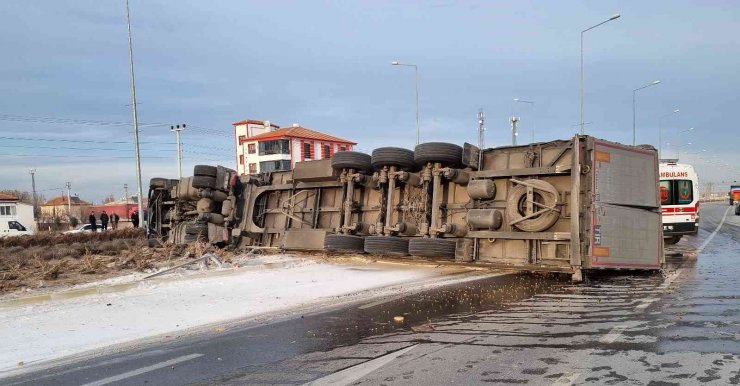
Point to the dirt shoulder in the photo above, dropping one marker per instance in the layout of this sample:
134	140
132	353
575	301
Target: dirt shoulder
47	262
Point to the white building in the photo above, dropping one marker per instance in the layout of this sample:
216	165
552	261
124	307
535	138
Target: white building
11	209
263	147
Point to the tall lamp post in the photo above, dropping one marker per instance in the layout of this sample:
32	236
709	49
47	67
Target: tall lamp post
518	100
137	153
678	148
680	144
614	17
416	75
634	96
660	130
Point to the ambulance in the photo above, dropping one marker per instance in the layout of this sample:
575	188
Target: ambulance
679	200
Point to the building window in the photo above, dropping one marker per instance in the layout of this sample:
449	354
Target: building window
7	210
280	146
242	139
307	153
274	166
251	148
327	151
342	148
241	159
252	168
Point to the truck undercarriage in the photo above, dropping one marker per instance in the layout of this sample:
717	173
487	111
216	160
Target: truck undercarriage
564	206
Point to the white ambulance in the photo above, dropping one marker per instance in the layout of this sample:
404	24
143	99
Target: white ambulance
679	200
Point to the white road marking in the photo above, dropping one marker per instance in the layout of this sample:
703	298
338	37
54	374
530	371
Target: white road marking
566	379
354	373
617	331
143	370
646	303
704	244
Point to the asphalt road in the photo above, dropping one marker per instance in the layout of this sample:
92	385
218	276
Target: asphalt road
680	328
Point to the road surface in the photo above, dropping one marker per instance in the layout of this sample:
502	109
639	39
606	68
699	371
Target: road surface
682	327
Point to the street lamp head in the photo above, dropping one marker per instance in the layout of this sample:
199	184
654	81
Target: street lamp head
516	99
615	16
676	110
691	128
395	63
655	82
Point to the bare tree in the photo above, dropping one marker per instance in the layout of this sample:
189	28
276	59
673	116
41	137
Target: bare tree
109	198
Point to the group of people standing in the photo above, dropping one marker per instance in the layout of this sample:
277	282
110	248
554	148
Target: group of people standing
113	219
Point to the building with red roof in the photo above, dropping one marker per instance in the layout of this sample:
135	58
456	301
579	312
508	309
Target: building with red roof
262	146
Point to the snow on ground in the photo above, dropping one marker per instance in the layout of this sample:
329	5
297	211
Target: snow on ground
55	329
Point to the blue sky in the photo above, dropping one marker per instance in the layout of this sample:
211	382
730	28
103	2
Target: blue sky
326	66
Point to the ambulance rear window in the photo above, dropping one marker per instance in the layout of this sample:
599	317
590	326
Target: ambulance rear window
676	192
685	192
665	192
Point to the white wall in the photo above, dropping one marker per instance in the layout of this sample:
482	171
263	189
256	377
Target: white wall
23	214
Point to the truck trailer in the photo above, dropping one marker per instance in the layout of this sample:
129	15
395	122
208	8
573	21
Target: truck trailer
568	206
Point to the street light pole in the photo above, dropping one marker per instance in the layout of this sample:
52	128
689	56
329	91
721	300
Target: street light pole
137	154
69	200
678	148
634	95
614	17
660	130
416	77
177	129
35	197
518	100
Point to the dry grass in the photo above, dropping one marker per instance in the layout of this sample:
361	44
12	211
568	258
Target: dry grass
47	239
48	259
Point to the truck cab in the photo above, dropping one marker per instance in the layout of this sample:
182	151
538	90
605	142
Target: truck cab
679	200
734	194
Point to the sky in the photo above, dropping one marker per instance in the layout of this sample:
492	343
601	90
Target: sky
65	103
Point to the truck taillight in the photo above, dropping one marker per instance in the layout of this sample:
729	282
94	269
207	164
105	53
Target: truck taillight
697	210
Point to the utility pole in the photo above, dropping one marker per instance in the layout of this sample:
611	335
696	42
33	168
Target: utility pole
35	197
125	189
514	134
481	130
69	199
177	129
136	121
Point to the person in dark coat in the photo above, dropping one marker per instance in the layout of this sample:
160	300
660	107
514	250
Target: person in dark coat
104	221
135	218
93	223
114	218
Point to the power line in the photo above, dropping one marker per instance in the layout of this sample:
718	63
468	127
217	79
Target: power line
96	149
89	122
110	142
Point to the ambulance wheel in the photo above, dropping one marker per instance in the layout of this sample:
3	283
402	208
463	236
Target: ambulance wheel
672	240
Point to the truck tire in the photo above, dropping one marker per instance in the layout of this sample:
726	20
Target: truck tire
205	170
204	182
386	245
158	183
448	154
425	247
394	156
197	230
672	240
344	243
545	194
351	160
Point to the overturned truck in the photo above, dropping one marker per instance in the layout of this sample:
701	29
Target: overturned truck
565	206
